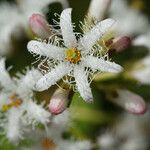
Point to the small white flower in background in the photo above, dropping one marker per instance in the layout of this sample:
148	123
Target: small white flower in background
7	27
99	8
19	14
142	73
130	101
142	40
52	138
128	134
128	20
76	58
16	100
28	7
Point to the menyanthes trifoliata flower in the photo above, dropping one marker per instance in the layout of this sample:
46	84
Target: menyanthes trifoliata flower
75	57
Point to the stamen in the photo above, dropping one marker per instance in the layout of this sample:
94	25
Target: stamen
73	55
48	144
16	102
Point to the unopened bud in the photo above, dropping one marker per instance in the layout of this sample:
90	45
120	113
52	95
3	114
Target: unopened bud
99	8
130	101
39	26
120	43
59	101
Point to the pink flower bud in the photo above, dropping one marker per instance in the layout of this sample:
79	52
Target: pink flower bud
39	26
130	101
59	101
120	43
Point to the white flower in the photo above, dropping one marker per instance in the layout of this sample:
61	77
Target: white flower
142	73
129	127
76	57
16	101
53	139
99	8
7	27
20	15
35	113
129	21
29	7
142	40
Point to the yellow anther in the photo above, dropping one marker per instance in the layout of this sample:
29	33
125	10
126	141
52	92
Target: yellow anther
48	144
73	55
16	102
6	107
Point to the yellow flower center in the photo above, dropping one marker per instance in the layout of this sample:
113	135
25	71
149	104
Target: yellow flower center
73	55
15	102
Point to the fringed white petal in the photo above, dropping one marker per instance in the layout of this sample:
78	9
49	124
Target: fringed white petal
44	49
82	83
52	77
90	38
101	65
67	28
36	114
5	79
26	83
13	129
62	119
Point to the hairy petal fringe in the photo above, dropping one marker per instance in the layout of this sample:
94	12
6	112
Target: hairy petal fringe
102	65
52	77
82	83
67	28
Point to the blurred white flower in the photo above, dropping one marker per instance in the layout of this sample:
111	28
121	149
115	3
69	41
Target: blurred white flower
28	7
53	139
19	15
142	73
142	40
7	27
76	57
128	21
99	8
17	102
130	133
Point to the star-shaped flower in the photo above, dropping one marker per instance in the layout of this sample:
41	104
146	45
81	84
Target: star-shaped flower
76	58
